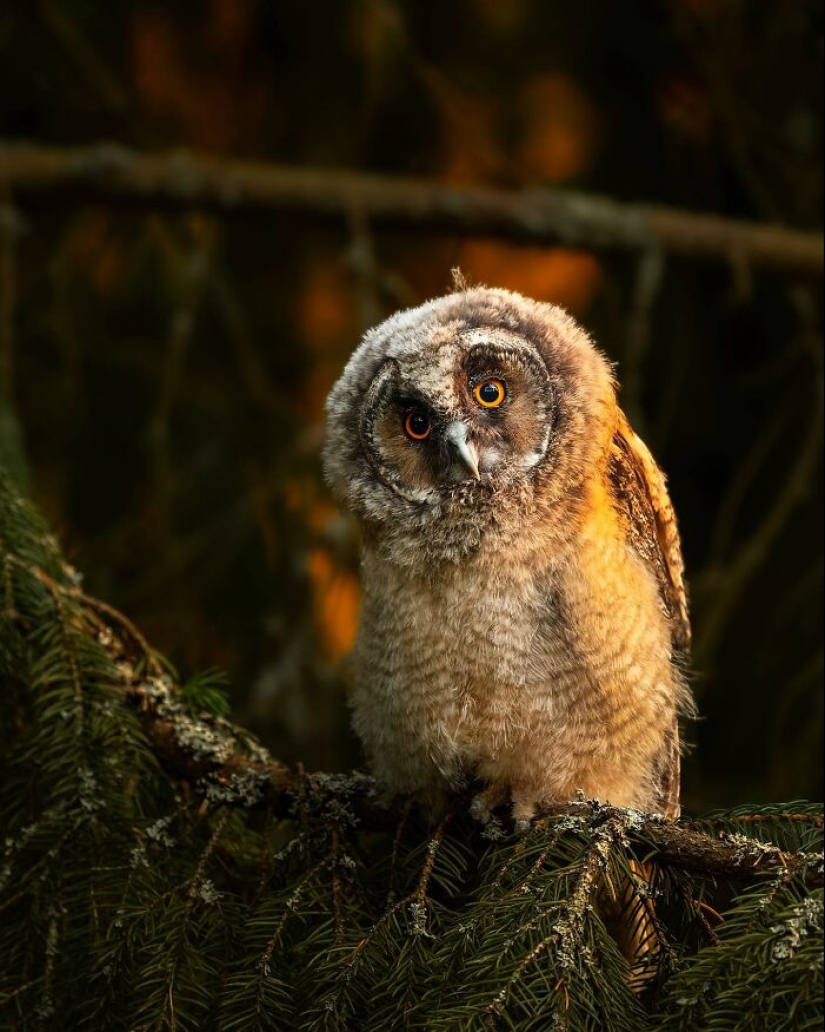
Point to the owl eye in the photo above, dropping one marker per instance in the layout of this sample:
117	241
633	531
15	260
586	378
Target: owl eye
418	425
490	394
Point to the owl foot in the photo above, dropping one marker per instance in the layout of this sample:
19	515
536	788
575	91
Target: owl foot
524	810
481	808
495	795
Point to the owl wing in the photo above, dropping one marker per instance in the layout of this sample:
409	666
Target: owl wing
640	493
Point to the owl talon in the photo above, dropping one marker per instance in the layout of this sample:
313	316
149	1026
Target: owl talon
482	806
479	811
524	810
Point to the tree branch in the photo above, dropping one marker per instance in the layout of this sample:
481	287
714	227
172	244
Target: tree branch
114	175
227	767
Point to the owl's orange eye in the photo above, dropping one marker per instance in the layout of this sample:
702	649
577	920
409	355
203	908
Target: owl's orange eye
418	425
490	394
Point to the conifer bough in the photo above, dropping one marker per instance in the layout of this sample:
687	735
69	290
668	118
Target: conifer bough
159	870
212	755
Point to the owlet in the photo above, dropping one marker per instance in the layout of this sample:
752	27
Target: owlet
524	618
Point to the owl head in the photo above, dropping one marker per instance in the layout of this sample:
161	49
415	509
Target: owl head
453	421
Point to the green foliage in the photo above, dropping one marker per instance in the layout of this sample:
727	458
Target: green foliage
774	931
133	900
206	692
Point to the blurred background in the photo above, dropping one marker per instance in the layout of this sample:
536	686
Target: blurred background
168	369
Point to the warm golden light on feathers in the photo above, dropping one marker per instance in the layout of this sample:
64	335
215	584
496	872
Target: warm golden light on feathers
524	617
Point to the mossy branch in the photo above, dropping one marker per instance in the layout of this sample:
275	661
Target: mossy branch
159	869
227	766
224	764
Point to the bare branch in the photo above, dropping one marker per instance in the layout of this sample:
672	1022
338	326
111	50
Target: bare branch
544	216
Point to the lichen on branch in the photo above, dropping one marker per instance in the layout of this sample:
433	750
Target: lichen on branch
159	869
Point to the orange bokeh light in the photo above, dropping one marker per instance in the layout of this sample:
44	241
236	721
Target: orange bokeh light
336	603
567	278
560	130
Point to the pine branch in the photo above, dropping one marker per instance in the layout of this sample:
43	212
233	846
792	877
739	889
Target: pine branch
213	755
229	891
181	181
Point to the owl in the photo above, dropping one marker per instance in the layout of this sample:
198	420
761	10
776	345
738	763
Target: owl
524	623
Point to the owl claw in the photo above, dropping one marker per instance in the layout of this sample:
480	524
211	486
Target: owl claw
524	810
479	811
482	806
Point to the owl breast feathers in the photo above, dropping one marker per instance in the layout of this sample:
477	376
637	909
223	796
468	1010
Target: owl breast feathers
524	620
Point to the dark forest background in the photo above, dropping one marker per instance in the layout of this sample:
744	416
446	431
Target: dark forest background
169	371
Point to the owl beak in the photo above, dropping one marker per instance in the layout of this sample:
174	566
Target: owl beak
457	437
